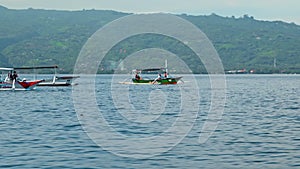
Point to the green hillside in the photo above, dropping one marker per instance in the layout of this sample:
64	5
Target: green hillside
34	37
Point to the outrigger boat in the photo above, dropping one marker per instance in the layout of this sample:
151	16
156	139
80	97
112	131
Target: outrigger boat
55	80
163	78
12	82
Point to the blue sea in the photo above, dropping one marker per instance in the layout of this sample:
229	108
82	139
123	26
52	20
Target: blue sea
49	128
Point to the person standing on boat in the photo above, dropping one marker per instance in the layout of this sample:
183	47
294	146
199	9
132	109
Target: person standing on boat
14	76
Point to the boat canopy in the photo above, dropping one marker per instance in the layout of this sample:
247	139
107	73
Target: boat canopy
36	67
6	69
149	70
153	69
24	68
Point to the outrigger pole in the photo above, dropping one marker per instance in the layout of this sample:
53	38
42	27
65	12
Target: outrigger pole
54	77
166	65
14	84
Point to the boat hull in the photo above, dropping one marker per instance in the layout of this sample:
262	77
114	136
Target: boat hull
19	85
164	81
59	81
55	84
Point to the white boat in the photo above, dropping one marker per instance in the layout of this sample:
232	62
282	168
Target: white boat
10	81
59	81
55	80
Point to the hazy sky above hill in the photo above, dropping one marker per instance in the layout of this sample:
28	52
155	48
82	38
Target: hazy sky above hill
285	10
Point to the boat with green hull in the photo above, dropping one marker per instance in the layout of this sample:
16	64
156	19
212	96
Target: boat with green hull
145	76
162	81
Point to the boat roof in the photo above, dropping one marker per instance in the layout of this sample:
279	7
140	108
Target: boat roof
6	68
36	67
149	70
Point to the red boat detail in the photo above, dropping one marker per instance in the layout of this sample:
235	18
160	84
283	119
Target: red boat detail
30	84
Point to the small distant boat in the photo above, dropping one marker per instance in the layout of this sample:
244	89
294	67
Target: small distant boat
14	83
240	71
55	80
145	76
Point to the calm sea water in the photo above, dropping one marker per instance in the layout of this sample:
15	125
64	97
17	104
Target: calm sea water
260	126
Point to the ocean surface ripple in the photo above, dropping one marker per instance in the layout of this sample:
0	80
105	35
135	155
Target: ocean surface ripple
260	126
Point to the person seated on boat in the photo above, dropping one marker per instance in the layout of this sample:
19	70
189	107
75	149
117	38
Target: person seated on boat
137	77
158	77
166	75
9	76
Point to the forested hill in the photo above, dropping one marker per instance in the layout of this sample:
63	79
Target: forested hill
34	37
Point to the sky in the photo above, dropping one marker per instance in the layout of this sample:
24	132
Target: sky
271	10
